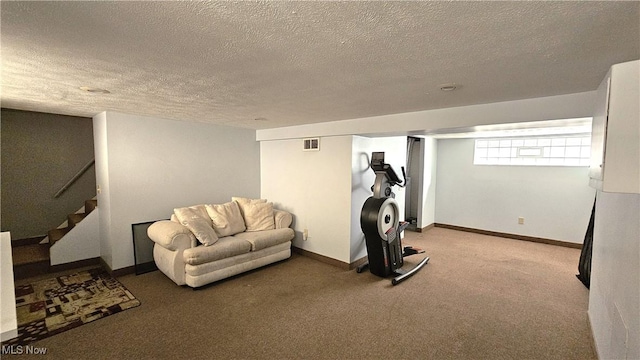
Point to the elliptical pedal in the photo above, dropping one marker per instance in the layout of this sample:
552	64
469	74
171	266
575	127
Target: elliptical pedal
410	250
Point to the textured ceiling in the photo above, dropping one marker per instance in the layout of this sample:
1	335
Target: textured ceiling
290	63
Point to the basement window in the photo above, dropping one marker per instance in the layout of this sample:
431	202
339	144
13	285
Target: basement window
565	150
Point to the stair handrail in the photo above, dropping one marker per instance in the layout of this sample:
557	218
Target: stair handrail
75	178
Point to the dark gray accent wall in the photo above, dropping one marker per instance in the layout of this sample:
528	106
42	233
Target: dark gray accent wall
39	154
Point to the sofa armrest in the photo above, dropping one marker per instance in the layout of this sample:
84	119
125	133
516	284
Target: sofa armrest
283	219
171	235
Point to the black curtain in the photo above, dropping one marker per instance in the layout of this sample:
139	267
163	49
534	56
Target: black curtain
584	266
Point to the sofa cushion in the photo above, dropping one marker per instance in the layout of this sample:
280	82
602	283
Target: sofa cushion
227	219
264	239
225	247
197	224
223	268
244	202
199	209
258	216
256	213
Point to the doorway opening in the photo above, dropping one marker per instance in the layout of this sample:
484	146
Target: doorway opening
414	186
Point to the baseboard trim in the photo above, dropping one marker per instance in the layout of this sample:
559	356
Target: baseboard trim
124	271
340	264
428	227
322	258
412	228
512	236
118	272
358	262
75	265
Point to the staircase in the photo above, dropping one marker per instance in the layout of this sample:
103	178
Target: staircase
31	257
57	234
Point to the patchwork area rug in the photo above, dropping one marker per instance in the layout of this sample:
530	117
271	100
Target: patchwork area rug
51	306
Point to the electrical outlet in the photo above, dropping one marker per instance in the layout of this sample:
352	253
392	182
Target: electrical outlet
521	220
305	234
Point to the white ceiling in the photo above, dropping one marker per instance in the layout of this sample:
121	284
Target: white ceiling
290	63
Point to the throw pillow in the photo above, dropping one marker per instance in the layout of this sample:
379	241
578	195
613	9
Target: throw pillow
244	202
198	225
258	216
227	219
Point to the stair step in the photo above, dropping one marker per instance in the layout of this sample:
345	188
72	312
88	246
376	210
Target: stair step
57	234
75	218
72	219
90	205
30	260
27	241
29	254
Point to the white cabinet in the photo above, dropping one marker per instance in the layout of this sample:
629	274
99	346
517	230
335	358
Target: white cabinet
615	138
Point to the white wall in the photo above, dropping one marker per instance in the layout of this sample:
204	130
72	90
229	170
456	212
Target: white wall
614	296
101	154
81	243
325	190
315	186
362	178
147	166
555	201
428	213
8	317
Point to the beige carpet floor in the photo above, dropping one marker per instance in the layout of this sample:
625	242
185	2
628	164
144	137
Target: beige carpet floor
480	297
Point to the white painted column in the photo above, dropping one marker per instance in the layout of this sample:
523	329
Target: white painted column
9	323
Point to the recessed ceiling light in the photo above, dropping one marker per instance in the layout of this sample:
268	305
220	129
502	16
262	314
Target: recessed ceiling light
449	87
94	90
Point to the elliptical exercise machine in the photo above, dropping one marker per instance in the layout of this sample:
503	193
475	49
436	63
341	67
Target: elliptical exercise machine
379	221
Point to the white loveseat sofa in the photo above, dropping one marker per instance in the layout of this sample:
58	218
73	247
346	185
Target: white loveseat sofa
206	243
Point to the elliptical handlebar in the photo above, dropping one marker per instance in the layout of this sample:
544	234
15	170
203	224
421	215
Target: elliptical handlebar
379	166
404	178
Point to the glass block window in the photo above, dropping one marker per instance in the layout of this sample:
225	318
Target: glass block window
565	150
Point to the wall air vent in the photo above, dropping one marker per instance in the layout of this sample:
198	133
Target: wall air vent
311	144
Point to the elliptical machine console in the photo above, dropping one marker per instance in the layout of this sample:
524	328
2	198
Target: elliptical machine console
381	225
